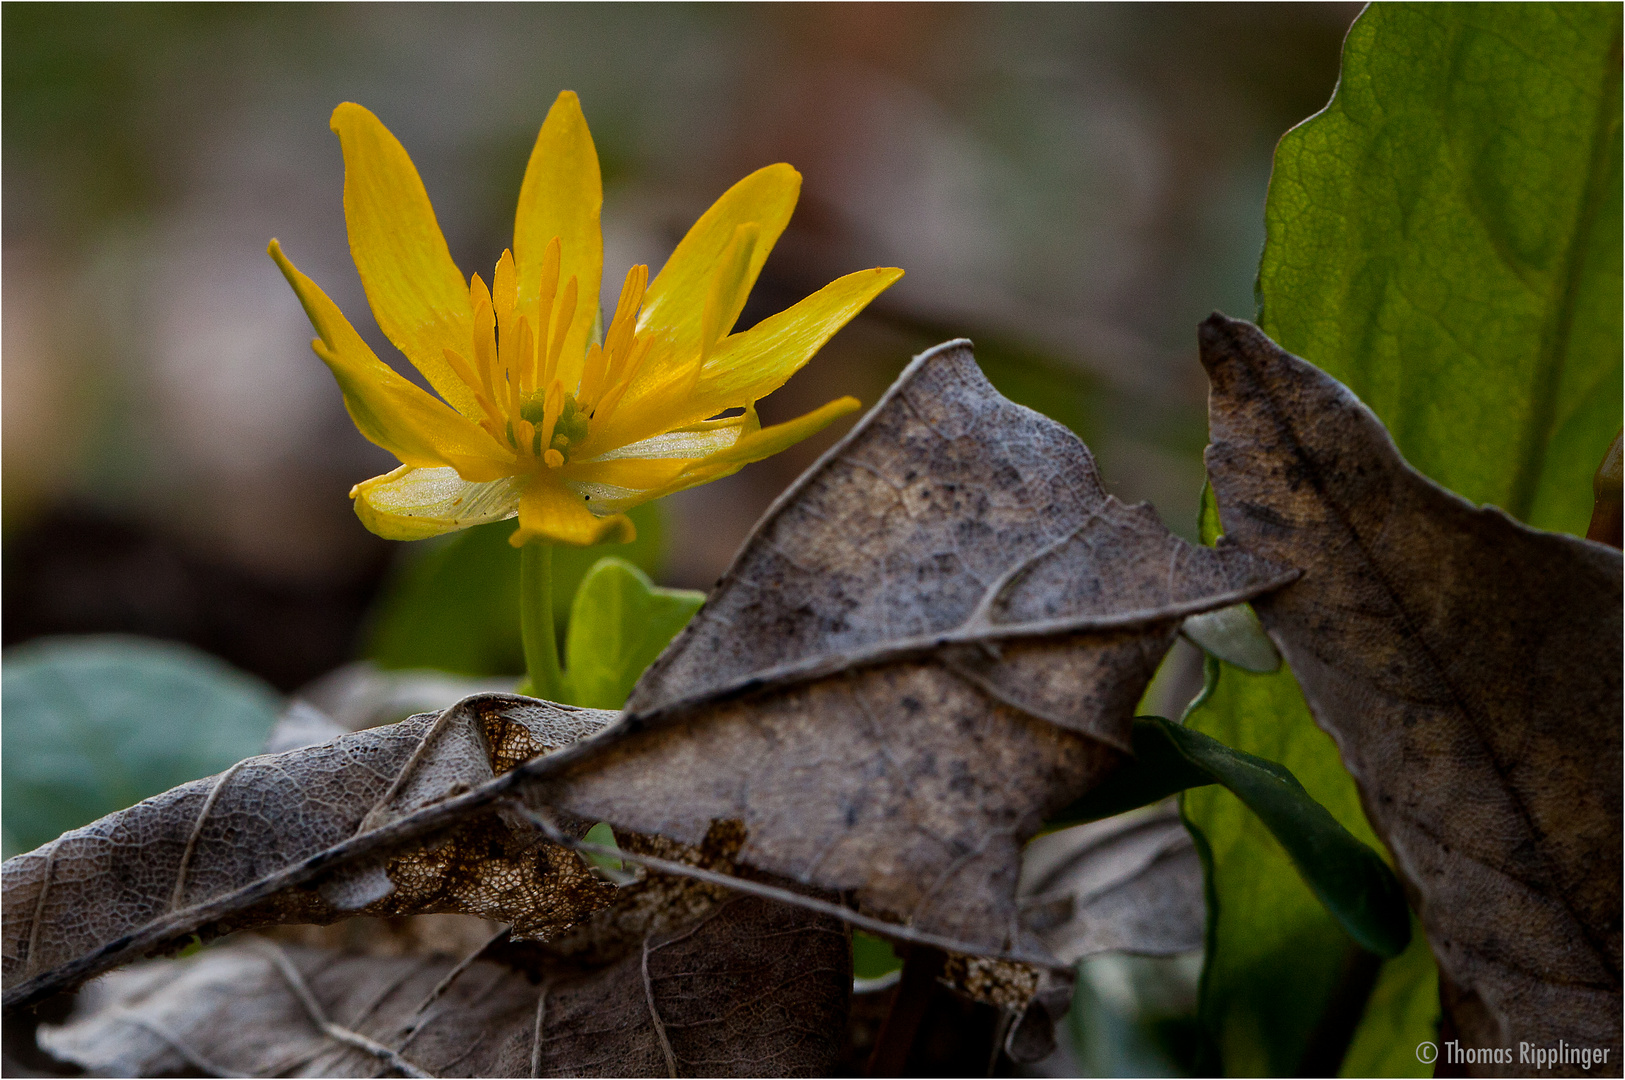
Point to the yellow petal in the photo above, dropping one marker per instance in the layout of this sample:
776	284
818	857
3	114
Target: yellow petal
387	409
629	475
756	446
694	441
413	504
418	295
549	511
676	298
745	367
726	297
562	196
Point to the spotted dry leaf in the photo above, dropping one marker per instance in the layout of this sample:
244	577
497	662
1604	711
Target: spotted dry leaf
205	857
1469	669
936	637
678	978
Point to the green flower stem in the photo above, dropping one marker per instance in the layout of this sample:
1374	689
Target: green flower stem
536	621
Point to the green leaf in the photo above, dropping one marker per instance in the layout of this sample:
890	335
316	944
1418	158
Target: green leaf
1444	239
619	623
1403	1010
1276	955
95	724
1350	879
872	956
454	605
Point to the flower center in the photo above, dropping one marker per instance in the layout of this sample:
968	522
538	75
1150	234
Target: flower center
519	373
569	429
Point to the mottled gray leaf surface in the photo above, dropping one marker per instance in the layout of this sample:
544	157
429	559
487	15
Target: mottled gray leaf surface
1131	883
936	637
1469	669
678	978
170	866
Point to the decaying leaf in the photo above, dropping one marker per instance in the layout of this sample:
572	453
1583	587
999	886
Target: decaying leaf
933	639
1469	669
679	978
204	857
1131	883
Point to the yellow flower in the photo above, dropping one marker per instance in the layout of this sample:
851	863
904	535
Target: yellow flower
545	413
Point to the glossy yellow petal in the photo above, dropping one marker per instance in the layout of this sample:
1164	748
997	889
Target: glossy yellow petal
627	474
676	298
754	447
728	287
418	295
562	196
694	441
412	504
745	367
550	511
388	409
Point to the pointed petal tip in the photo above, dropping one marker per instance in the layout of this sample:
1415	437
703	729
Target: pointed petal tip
568	103
348	112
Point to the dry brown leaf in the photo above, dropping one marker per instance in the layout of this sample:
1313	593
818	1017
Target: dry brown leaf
198	858
678	978
936	637
1469	669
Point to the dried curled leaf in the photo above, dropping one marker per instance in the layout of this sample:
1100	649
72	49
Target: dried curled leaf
677	979
1468	667
935	638
1131	883
205	857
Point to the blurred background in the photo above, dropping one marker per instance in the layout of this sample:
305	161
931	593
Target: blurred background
1073	187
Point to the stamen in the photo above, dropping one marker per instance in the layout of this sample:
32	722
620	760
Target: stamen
552	409
461	369
593	374
517	359
484	336
504	289
549	287
553	458
623	326
623	379
561	327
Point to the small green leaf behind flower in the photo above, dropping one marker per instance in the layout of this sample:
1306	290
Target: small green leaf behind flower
619	623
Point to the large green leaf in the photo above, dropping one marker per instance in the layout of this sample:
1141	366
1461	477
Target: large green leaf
96	724
619	623
454	605
1445	239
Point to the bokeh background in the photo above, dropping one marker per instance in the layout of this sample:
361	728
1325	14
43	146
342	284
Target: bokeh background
1073	187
